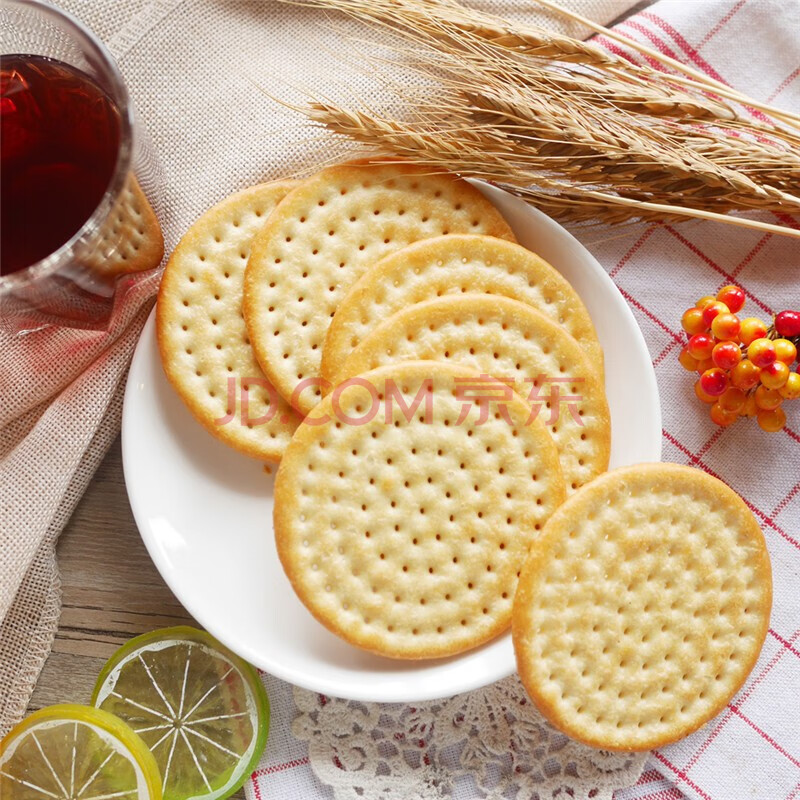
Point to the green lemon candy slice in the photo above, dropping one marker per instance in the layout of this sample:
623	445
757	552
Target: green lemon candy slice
71	752
201	709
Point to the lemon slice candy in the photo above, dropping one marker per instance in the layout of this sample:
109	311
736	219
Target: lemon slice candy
71	752
201	709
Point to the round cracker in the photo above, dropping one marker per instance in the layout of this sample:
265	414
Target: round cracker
201	332
405	534
130	238
642	607
509	340
449	265
321	239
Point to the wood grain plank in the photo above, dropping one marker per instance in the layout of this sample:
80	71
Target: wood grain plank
111	590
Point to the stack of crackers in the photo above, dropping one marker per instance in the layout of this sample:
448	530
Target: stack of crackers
434	393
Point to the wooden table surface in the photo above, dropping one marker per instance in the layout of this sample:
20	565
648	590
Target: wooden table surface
111	590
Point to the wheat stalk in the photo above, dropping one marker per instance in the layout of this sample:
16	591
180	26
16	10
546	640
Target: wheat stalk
555	197
584	134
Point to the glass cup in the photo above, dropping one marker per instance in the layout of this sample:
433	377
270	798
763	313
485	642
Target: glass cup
83	281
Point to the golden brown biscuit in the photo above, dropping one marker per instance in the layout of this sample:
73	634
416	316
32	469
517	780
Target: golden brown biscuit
508	340
450	265
404	534
642	606
321	239
130	238
202	337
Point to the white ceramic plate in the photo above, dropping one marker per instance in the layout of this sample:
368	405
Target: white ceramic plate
205	512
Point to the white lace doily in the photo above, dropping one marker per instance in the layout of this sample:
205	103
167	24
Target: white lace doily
491	743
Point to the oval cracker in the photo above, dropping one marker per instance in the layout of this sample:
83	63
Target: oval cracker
202	337
451	265
405	534
508	340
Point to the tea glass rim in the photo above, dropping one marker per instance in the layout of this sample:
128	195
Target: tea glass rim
100	57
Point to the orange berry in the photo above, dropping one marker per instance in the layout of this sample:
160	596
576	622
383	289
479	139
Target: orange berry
713	310
787	323
751	329
726	327
732	296
791	389
768	399
692	321
687	361
714	381
704	301
701	395
775	375
745	375
700	346
732	399
726	355
785	351
749	409
771	421
761	352
722	416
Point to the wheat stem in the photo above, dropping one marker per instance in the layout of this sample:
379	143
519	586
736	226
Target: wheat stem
666	210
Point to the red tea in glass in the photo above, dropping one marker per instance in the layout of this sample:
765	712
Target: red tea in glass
59	143
80	186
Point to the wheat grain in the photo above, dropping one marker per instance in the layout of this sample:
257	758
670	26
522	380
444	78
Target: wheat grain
584	134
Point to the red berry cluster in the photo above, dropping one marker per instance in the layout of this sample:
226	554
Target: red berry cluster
744	364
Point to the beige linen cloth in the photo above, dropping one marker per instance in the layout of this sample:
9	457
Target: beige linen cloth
195	69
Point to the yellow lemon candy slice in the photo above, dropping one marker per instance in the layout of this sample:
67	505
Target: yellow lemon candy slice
72	752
